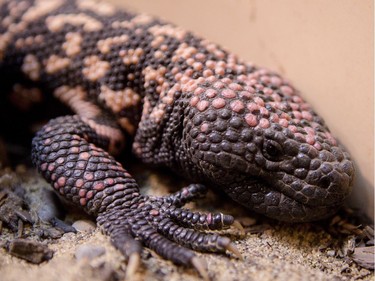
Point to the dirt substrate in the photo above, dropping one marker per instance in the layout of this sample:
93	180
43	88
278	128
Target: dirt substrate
328	250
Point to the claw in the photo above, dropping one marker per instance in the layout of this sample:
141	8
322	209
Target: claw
233	249
133	265
236	224
200	265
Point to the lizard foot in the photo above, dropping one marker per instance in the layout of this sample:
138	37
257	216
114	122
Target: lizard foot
69	153
162	225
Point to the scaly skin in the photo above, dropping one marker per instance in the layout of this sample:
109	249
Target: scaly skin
186	103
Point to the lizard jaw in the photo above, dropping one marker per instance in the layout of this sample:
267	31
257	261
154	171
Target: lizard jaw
288	198
258	196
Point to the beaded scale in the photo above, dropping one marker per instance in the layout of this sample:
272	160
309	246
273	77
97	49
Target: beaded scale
183	102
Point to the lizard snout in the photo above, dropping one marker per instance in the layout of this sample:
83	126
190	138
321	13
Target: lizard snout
329	179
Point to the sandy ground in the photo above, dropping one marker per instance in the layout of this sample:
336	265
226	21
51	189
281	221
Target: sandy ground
271	250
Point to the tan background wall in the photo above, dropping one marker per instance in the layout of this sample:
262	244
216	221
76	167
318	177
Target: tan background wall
324	47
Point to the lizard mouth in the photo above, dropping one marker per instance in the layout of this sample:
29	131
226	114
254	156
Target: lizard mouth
289	198
276	204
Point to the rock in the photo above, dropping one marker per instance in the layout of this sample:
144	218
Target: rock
89	252
53	233
246	221
49	206
84	225
331	253
30	251
62	225
364	256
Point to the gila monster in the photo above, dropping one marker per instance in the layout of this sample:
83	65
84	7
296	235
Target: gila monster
184	103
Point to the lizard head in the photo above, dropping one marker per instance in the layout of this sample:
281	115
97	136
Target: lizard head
257	139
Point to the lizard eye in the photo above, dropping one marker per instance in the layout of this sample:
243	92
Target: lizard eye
272	150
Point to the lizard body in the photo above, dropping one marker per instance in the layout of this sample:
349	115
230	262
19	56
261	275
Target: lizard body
185	103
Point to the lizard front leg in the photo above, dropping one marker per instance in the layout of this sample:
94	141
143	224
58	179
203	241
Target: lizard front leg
70	152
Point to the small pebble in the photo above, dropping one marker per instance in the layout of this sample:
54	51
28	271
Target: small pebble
84	225
246	221
89	252
62	225
331	253
53	233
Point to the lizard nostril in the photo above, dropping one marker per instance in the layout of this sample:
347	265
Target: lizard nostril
325	182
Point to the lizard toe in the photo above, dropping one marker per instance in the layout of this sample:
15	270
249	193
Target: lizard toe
186	194
200	220
193	239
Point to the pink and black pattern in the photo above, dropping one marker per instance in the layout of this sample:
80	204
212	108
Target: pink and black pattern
185	103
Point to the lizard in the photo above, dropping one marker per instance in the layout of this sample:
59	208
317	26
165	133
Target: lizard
184	103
